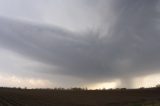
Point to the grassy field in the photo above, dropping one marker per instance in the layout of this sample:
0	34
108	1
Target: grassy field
41	97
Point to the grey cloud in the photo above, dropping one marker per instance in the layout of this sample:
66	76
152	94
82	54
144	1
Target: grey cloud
61	13
129	49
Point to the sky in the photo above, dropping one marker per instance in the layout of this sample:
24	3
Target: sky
79	43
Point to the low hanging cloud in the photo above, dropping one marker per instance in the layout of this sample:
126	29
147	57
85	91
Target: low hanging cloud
125	46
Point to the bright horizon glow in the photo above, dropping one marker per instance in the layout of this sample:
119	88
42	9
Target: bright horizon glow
104	85
147	81
14	81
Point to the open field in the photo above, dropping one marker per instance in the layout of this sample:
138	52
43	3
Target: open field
121	97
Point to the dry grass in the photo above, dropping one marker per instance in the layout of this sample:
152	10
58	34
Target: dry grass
139	97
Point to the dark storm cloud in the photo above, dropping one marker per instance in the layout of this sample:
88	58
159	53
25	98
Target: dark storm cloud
130	48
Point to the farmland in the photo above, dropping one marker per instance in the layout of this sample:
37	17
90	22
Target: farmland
48	97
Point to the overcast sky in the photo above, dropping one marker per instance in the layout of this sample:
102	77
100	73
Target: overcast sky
79	43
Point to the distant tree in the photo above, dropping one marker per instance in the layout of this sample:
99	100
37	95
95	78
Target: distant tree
103	89
59	89
141	88
158	86
25	88
77	89
123	89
